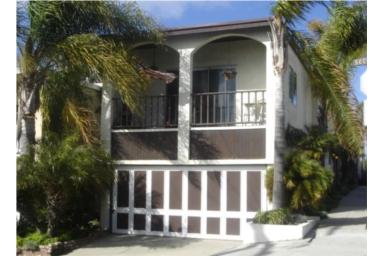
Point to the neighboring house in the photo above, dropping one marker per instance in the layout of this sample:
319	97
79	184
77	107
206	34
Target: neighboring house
193	162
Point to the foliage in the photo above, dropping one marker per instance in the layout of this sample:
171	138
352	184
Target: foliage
281	216
269	182
328	56
63	171
33	240
306	180
96	43
71	41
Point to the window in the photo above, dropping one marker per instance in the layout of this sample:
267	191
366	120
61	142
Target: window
292	86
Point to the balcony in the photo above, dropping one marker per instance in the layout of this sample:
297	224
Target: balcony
238	108
154	112
218	112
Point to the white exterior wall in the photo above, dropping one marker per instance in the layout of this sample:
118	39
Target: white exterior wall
253	60
246	56
304	112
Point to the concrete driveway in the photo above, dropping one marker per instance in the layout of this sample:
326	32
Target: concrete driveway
114	245
344	233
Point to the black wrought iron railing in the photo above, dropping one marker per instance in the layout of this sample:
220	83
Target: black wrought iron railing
154	112
228	108
208	109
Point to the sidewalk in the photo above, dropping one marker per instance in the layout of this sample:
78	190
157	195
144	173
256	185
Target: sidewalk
343	233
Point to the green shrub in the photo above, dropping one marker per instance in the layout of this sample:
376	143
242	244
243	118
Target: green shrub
269	183
280	216
306	180
19	241
32	240
30	245
70	177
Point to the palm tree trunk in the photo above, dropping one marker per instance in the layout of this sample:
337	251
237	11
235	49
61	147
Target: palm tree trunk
279	62
278	198
27	107
27	134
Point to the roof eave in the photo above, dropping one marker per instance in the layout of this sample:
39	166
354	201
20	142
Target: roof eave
218	27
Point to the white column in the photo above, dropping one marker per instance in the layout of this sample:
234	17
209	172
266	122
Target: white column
131	189
148	201
204	200
185	89
105	136
166	201
270	105
184	203
263	192
223	202
243	199
106	117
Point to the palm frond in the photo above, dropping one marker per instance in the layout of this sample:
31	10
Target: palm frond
345	38
290	11
52	22
82	119
330	82
107	60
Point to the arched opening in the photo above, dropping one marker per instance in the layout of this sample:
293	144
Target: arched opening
229	82
159	105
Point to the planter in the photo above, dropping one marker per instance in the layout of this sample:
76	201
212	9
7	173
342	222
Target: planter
254	233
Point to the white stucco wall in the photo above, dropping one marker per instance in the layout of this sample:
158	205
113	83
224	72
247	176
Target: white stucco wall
246	56
305	111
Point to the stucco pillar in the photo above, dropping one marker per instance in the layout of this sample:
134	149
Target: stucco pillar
185	89
105	136
270	105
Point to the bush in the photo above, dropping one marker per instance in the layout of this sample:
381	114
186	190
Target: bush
30	245
269	183
306	180
33	240
60	184
280	216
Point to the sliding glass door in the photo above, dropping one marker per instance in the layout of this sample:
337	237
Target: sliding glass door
214	97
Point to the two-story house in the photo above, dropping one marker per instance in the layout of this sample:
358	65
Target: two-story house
192	162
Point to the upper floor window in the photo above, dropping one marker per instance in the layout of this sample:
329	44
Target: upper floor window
292	86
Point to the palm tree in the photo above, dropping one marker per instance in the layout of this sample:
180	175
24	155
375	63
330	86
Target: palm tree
328	58
330	63
61	39
285	13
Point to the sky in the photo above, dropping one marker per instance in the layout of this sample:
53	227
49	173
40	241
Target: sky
170	14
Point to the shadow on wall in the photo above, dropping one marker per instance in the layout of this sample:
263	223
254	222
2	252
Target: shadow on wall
202	148
145	145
